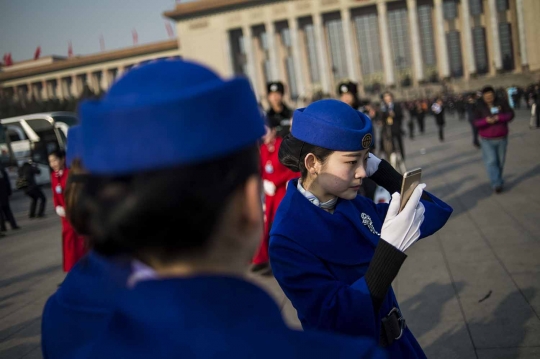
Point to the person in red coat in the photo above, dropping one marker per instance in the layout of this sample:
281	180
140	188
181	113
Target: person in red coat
73	247
275	177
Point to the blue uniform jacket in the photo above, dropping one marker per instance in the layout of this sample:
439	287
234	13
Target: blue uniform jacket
79	310
320	259
213	317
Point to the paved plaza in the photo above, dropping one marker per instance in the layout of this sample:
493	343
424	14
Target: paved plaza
470	291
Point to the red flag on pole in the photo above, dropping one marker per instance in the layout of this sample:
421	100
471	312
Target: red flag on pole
102	43
37	53
135	37
9	60
70	49
170	31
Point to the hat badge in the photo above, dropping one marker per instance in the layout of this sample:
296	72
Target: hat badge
273	88
344	88
366	141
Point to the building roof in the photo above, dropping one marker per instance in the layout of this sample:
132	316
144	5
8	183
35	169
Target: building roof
207	7
91	59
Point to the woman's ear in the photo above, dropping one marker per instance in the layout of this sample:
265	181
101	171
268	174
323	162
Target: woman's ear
312	164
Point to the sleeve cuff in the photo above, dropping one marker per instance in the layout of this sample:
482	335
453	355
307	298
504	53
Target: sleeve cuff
382	270
387	177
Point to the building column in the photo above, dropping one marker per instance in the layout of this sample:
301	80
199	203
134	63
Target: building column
297	59
467	37
44	90
104	85
247	38
322	51
522	37
228	53
442	56
415	41
60	89
495	41
349	45
74	86
272	51
386	45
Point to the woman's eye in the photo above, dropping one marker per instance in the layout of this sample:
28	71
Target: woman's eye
352	162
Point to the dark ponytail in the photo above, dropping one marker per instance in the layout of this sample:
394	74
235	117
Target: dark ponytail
168	213
292	154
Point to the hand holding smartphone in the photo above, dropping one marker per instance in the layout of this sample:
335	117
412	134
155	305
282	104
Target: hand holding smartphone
411	179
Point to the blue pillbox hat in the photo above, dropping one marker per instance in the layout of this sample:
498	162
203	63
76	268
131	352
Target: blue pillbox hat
74	145
333	125
165	114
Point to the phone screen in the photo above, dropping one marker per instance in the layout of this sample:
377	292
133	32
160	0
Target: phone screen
411	179
494	110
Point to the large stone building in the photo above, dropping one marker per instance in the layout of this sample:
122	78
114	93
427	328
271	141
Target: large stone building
312	44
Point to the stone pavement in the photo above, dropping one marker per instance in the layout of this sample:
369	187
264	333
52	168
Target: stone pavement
470	291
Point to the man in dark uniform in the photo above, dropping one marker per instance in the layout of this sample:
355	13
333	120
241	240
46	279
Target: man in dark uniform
392	117
279	115
348	93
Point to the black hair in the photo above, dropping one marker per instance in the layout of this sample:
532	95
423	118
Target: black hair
166	214
487	89
60	154
292	154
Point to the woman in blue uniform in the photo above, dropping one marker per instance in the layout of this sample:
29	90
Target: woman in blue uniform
335	253
173	183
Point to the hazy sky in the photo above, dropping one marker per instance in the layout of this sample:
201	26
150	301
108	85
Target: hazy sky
25	24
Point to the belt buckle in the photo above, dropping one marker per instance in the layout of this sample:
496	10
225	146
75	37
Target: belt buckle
401	320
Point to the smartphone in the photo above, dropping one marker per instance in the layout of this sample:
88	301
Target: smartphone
411	179
494	110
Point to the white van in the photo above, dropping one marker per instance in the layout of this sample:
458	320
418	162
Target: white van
33	137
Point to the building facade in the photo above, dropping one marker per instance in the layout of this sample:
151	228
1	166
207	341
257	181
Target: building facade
63	78
313	44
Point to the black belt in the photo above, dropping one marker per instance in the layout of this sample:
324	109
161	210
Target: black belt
392	328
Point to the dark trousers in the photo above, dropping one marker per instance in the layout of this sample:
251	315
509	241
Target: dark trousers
441	132
5	211
36	194
421	122
398	142
475	139
410	124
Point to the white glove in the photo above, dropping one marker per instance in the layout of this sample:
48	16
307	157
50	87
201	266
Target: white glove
403	229
372	165
60	211
269	188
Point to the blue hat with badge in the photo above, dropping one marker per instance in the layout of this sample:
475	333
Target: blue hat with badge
165	114
334	125
74	145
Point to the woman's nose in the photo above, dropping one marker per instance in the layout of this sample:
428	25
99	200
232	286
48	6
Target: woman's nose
360	172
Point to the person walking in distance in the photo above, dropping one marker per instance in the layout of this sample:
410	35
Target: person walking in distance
420	115
470	107
5	193
28	172
492	116
73	247
392	113
438	111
